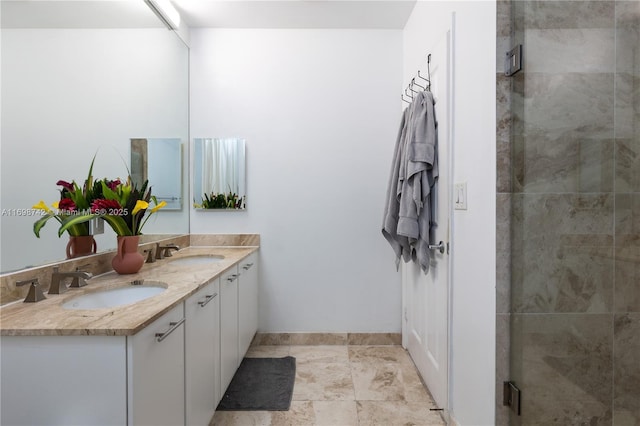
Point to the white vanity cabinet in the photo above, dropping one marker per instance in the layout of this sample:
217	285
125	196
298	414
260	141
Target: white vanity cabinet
247	302
174	371
155	372
229	355
96	380
63	380
202	351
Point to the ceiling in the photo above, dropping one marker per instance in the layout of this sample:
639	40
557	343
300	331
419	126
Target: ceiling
387	14
391	14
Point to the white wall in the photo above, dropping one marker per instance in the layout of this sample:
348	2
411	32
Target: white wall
67	93
472	380
319	110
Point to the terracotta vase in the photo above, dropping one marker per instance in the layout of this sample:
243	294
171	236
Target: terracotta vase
127	260
82	245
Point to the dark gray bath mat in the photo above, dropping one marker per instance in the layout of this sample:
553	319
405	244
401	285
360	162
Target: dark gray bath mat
261	384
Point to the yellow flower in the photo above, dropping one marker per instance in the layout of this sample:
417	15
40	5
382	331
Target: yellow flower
160	205
55	205
41	206
140	205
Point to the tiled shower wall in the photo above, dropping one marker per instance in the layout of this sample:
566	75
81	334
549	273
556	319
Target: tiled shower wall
568	187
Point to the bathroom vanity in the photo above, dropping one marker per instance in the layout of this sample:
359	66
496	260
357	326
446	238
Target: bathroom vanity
163	360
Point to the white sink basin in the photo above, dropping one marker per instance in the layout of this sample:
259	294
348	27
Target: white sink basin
115	297
197	259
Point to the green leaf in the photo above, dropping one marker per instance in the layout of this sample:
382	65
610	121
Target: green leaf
78	229
118	224
75	220
37	226
108	194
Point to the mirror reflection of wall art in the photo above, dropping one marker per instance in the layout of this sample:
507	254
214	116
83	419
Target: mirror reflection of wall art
159	160
219	173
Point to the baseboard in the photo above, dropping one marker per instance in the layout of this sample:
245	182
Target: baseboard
327	339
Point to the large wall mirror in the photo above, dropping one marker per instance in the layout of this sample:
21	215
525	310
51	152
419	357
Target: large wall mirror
219	175
81	79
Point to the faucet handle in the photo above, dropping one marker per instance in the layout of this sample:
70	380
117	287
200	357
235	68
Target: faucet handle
57	285
150	257
159	251
35	292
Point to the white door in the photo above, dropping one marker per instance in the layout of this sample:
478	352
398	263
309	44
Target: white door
426	297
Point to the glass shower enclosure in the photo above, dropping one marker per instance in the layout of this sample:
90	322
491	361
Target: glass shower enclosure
574	213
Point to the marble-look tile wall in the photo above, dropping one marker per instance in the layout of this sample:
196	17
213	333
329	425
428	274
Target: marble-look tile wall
569	190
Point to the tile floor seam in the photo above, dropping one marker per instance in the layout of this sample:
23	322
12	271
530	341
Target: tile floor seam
353	385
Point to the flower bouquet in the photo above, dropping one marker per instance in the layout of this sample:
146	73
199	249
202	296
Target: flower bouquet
123	206
74	200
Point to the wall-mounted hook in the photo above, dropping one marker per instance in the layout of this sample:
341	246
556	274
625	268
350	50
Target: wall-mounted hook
424	78
429	71
410	95
413	83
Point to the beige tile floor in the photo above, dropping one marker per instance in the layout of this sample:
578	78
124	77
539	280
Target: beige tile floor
345	385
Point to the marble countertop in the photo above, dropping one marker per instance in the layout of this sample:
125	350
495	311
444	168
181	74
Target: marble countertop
49	318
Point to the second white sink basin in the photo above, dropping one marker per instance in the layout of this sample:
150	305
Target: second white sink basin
202	259
115	297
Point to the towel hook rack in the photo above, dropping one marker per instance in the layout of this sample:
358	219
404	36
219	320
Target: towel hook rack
410	95
413	83
424	78
409	90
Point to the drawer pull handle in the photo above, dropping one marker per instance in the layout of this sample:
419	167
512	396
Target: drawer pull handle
161	336
232	278
247	266
208	298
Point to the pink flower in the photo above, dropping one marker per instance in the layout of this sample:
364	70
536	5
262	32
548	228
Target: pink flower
67	204
65	184
102	206
113	184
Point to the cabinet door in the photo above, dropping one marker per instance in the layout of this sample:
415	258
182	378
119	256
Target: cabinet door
202	352
229	358
247	302
155	372
63	380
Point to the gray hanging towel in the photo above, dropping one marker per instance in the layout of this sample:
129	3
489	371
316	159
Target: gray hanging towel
399	244
415	220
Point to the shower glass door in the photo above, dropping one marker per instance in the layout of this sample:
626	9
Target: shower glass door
575	213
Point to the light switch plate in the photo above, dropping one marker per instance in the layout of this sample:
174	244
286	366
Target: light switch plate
460	196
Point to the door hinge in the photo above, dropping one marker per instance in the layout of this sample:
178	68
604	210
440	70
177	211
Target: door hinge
513	61
511	396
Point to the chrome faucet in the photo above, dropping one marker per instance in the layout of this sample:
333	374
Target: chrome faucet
57	280
35	292
165	251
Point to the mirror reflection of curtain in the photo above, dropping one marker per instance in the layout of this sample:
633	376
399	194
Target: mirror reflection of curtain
220	165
